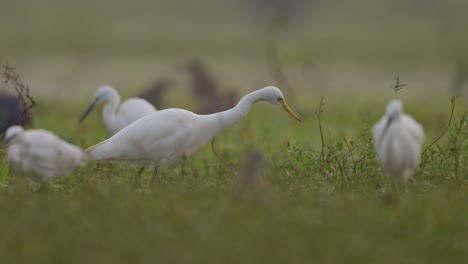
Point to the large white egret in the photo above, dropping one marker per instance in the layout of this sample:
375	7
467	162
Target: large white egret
397	140
117	117
167	136
40	154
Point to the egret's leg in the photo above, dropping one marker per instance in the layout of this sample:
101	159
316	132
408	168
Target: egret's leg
10	180
154	178
140	171
15	179
184	158
137	177
214	148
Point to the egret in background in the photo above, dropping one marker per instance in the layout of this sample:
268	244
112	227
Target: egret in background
166	136
397	140
117	117
207	91
40	154
155	92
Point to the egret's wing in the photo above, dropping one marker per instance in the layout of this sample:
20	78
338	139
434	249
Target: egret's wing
14	155
38	163
98	151
39	150
49	156
146	137
39	138
377	133
70	156
134	109
415	129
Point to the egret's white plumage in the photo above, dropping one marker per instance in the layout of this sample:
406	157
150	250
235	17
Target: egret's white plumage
40	154
117	117
397	140
166	136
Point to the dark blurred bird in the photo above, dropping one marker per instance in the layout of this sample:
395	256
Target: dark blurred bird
250	178
155	92
217	102
203	84
279	8
206	90
278	13
13	111
229	99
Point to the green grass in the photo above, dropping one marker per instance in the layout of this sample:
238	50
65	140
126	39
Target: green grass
337	209
180	225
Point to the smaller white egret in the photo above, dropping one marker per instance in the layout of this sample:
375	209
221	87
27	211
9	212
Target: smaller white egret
115	119
167	136
397	140
40	154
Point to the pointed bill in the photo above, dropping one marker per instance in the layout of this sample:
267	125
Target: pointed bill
289	110
90	108
386	127
6	141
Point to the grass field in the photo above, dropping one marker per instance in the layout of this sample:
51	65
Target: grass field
336	208
328	200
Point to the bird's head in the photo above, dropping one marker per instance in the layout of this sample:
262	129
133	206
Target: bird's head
394	109
12	135
274	96
103	94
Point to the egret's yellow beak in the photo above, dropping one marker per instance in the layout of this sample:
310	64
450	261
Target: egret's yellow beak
289	110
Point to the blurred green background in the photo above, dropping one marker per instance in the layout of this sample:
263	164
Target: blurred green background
69	48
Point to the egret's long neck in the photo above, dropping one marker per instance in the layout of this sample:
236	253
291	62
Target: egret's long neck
109	111
391	119
217	122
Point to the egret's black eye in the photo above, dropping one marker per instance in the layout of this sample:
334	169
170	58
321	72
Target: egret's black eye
279	99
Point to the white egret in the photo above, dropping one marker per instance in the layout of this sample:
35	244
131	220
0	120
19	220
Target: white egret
167	136
40	154
397	140
117	117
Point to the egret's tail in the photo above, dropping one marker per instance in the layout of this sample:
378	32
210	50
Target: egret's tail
100	151
80	157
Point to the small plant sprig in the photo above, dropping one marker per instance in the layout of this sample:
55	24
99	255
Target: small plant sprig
452	111
319	116
398	86
456	142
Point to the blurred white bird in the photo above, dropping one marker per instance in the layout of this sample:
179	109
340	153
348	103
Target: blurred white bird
40	154
167	136
397	140
115	119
